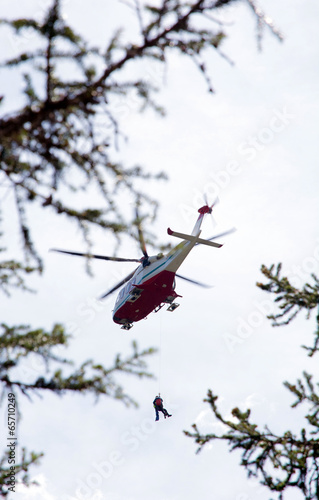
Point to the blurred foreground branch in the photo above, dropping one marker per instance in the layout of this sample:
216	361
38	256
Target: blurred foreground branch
282	461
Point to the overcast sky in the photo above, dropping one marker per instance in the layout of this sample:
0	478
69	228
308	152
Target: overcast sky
253	143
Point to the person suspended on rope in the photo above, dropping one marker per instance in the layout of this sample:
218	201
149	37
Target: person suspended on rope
158	405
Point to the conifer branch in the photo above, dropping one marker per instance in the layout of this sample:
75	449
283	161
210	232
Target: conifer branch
292	300
21	471
20	342
280	462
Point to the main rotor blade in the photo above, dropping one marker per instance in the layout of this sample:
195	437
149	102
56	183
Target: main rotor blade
193	281
118	285
140	233
220	235
89	256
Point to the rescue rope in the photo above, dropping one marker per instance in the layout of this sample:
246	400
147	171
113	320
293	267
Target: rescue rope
160	355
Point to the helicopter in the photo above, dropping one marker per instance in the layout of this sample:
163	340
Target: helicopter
151	285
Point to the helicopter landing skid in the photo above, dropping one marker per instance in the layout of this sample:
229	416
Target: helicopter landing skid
126	326
158	308
173	306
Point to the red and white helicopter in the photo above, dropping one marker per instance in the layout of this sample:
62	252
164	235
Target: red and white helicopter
152	285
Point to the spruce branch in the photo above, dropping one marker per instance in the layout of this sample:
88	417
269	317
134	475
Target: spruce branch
21	471
291	300
307	392
72	123
19	342
279	462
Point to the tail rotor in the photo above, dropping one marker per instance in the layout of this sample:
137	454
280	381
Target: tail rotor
208	209
213	204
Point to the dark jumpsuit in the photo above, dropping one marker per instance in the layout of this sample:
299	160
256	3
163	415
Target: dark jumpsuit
158	405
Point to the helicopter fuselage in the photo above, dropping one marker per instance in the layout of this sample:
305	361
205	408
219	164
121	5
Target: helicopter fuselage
152	285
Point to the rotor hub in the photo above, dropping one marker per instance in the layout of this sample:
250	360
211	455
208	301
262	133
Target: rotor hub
205	210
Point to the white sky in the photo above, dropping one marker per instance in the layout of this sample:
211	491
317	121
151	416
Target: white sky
268	189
